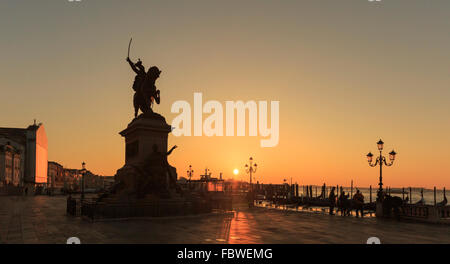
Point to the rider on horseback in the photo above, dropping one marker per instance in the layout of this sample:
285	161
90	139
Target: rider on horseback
144	87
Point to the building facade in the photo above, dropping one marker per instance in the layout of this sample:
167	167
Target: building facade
56	179
30	148
11	165
71	179
106	182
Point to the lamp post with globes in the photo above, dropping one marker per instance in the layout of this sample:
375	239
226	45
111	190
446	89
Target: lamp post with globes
380	160
190	172
251	169
83	172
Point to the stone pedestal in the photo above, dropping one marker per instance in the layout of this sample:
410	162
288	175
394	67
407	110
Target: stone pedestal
379	209
146	184
142	134
146	170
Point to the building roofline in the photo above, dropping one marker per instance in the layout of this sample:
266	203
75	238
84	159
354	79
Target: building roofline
54	162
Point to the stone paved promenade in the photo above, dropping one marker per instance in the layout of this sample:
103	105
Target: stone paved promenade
42	219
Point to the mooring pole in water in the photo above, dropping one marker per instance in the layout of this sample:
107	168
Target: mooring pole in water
410	195
351	190
444	193
434	195
403	193
370	189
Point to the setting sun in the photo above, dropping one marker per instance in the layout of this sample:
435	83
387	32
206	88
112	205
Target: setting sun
236	171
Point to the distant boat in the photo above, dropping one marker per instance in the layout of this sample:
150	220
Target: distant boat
398	192
421	202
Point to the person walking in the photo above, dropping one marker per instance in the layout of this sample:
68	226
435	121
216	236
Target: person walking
332	198
358	201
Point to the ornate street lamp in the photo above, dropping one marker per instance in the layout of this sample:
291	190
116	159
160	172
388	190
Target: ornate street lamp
392	155
250	169
380	161
83	172
190	172
380	145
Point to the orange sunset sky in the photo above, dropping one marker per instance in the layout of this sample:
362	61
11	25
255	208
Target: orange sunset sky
346	73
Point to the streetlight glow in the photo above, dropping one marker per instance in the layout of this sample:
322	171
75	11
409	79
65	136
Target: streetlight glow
370	157
380	145
392	155
190	172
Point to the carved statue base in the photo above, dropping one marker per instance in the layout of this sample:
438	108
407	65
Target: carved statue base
146	184
146	170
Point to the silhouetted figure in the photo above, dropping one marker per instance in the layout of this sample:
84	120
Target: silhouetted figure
344	203
332	198
139	69
391	204
322	193
358	203
157	175
406	201
144	87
